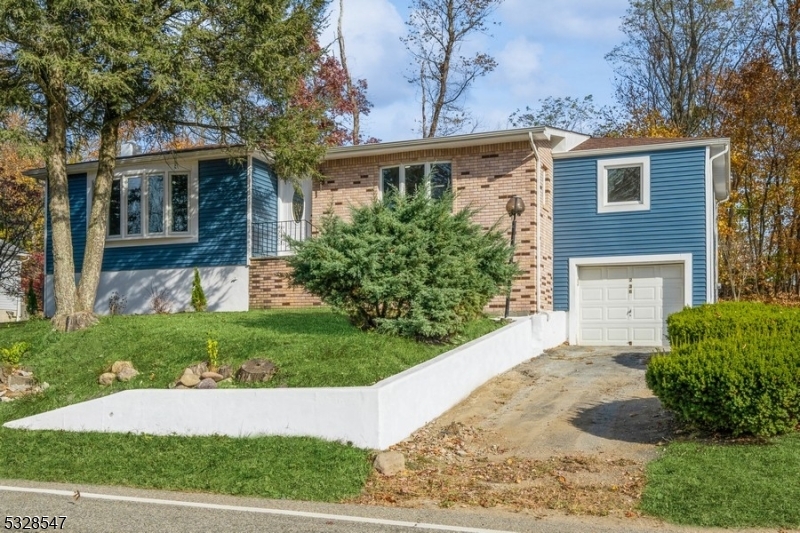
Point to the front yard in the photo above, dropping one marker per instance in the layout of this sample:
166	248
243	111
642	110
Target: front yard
311	348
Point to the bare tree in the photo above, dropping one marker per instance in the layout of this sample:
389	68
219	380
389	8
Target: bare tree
676	55
352	92
437	31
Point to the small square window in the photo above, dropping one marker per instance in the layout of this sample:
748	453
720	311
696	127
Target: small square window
623	184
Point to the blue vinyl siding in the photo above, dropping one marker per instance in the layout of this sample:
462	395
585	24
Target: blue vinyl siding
78	215
675	223
265	193
265	210
222	238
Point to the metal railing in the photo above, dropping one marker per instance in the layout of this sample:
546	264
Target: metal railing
272	238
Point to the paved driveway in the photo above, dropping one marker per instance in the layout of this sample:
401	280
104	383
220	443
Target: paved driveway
570	400
570	430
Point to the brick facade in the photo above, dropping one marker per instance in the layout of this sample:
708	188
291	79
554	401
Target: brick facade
484	177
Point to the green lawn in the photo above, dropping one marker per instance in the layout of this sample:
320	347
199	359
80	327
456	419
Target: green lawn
311	348
727	485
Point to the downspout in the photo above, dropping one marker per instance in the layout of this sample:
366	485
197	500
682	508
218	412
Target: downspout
716	223
538	222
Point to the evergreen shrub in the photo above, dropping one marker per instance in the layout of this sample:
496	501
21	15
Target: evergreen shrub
406	266
733	368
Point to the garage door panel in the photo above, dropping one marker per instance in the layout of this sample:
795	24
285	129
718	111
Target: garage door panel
621	305
617	313
617	273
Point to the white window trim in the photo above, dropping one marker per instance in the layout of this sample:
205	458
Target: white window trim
626	260
603	165
168	236
428	165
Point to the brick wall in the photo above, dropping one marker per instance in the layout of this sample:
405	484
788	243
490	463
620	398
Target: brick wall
269	286
484	177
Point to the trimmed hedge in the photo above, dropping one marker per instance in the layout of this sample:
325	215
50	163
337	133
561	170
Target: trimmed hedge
731	386
732	319
733	368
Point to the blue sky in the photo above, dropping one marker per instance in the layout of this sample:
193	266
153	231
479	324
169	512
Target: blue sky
554	48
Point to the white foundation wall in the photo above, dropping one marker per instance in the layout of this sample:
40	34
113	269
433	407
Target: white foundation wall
369	417
226	289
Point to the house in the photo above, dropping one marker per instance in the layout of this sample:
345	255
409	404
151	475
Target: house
618	232
11	305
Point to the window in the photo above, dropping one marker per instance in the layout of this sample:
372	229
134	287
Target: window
149	206
623	184
407	179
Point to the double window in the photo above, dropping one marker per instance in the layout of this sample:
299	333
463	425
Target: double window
408	179
623	184
150	206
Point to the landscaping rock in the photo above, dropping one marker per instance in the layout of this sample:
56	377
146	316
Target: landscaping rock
225	371
198	369
107	378
180	386
390	463
207	383
117	367
189	380
213	375
3	376
256	370
127	374
20	382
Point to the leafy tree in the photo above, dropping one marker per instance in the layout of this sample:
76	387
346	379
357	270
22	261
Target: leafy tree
437	29
21	206
81	70
405	265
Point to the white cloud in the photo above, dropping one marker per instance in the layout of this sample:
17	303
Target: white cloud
566	19
519	63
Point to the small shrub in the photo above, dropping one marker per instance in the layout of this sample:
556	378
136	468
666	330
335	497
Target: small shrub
13	355
117	303
212	348
198	296
159	301
31	301
731	385
405	265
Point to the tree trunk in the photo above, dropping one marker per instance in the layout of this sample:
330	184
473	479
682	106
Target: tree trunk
351	93
98	220
64	292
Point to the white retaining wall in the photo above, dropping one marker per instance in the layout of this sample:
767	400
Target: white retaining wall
369	417
226	289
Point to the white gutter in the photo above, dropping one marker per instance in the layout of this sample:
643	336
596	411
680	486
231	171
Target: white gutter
538	221
693	143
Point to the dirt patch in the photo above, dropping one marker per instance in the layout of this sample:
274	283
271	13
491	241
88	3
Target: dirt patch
568	431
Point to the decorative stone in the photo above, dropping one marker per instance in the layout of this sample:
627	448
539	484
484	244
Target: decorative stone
127	374
198	369
207	383
256	370
179	386
189	380
225	371
44	386
117	367
6	399
213	375
3	376
21	382
389	463
107	378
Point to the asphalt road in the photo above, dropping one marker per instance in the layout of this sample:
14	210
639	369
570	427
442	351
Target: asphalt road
115	509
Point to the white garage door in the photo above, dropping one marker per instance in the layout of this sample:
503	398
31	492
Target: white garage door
627	305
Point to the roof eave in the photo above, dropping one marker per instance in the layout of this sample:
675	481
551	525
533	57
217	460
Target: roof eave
694	143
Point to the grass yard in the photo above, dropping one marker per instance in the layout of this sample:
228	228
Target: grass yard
727	485
311	348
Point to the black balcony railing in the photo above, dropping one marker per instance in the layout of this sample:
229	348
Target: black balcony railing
272	238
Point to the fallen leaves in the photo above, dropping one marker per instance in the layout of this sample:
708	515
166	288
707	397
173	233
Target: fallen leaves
466	466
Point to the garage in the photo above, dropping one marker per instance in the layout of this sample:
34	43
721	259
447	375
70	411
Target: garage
628	304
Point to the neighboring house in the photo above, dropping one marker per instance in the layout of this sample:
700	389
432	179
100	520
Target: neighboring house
619	232
11	304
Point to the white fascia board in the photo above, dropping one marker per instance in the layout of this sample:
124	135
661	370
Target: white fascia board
622	260
175	159
540	133
642	148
